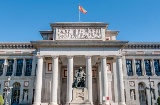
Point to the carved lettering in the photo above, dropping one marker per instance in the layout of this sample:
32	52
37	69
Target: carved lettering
78	33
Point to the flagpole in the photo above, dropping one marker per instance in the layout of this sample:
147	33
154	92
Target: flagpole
79	13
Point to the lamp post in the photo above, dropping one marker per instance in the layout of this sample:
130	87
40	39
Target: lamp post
6	90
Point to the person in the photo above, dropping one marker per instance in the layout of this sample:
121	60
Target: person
79	78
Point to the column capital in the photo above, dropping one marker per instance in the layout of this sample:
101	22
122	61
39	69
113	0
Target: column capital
54	56
119	56
88	56
14	58
70	56
103	56
39	56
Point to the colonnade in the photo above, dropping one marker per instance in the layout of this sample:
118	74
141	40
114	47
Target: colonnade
54	88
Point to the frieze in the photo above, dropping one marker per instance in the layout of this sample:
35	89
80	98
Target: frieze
139	45
78	33
16	45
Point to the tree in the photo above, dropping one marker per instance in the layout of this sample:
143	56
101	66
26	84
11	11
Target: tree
158	100
1	100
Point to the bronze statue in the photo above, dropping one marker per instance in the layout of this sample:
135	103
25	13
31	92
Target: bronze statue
79	78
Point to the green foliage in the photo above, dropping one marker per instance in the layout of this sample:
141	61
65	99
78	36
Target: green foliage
1	100
158	100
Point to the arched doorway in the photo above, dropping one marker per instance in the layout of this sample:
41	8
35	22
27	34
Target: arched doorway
15	93
142	94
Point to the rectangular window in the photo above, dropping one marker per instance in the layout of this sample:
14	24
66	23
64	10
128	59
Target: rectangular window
129	67
10	67
19	67
28	67
157	67
138	67
1	66
148	67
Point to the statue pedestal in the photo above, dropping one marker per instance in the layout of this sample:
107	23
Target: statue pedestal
80	97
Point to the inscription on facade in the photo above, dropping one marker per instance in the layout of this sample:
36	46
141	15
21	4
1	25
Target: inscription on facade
78	33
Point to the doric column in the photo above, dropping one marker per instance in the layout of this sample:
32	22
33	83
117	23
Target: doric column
33	66
105	80
89	77
100	83
38	83
143	68
152	67
14	67
24	67
69	78
5	67
54	88
133	67
120	80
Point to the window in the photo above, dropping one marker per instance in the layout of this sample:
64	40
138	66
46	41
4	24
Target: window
148	67
28	67
10	67
138	67
1	66
157	67
129	67
19	67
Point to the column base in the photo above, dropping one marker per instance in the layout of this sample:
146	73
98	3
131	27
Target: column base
105	103
36	103
122	103
53	103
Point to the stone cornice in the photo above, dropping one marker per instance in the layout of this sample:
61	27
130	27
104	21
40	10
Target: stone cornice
16	45
87	43
78	24
143	45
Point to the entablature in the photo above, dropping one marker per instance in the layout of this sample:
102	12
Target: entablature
119	44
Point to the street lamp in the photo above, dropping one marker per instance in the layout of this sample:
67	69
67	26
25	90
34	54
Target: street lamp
7	88
150	89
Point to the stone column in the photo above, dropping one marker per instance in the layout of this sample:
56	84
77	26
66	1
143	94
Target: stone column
5	67
105	80
100	83
38	83
14	67
121	82
143	68
116	87
33	66
24	67
59	82
69	78
133	67
152	67
54	81
89	77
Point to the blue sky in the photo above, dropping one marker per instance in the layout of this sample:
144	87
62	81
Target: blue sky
137	20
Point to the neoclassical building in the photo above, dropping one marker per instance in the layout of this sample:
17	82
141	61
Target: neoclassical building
117	72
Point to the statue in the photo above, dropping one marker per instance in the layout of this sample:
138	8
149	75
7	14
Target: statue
79	78
25	96
132	95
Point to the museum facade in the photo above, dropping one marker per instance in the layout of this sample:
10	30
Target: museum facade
117	72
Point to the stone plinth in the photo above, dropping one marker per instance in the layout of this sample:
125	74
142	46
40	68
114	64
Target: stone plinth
80	97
